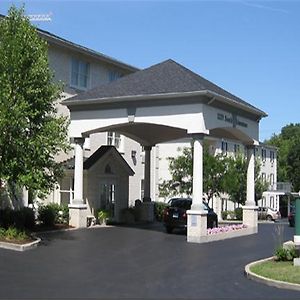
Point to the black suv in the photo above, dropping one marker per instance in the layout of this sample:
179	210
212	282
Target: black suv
175	214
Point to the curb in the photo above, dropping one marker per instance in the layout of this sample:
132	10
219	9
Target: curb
20	247
275	283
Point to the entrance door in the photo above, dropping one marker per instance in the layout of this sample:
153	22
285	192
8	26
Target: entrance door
108	196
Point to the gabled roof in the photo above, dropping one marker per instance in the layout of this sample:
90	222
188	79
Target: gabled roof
52	38
165	78
98	154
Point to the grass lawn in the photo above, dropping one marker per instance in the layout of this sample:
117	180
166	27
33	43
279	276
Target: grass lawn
278	270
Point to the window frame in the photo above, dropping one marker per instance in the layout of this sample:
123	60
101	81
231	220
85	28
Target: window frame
79	74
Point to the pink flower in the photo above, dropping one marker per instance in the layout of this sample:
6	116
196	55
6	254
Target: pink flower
226	228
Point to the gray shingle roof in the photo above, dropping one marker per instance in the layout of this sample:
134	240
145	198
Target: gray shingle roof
90	161
165	77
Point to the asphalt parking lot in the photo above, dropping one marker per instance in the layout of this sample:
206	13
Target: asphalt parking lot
138	263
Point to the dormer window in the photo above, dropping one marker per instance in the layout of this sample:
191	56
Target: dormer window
80	72
114	75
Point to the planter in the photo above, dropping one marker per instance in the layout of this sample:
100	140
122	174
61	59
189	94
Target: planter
20	247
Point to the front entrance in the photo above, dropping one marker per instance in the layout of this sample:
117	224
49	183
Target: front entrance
107	197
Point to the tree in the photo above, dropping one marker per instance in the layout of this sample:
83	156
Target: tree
32	133
293	169
235	182
181	169
220	175
288	155
215	172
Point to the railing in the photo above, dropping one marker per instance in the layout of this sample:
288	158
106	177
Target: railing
281	186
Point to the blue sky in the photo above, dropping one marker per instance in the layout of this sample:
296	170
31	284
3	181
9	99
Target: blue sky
250	48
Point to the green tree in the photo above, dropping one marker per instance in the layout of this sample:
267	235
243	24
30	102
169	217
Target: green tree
181	169
220	175
32	133
215	171
235	182
293	169
287	143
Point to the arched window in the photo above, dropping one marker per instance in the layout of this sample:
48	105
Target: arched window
108	169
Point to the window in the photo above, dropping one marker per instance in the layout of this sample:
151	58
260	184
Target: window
114	139
114	75
80	74
224	147
272	178
263	177
142	188
263	154
272	204
272	156
236	149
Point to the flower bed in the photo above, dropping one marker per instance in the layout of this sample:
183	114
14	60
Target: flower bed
227	228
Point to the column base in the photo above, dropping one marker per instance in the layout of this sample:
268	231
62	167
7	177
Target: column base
146	211
78	215
250	216
196	226
297	240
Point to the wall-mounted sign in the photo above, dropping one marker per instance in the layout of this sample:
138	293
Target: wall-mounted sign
232	119
193	220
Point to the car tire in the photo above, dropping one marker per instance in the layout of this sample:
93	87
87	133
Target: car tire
269	218
169	229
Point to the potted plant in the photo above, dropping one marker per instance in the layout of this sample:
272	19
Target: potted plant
103	216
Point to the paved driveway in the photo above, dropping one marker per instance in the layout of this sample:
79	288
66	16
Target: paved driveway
131	263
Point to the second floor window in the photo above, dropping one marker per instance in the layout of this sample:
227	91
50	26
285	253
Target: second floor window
272	179
114	75
80	74
114	139
272	156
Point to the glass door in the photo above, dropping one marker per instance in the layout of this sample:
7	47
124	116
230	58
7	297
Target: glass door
107	197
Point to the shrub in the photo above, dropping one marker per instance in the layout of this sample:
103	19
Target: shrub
238	213
47	215
103	216
53	213
6	217
283	254
224	214
129	215
13	233
22	218
159	210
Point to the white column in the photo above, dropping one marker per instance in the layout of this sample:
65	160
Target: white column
147	174
250	217
198	173
25	197
78	209
250	200
197	216
78	171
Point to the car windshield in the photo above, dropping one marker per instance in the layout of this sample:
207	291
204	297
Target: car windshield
181	203
185	203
